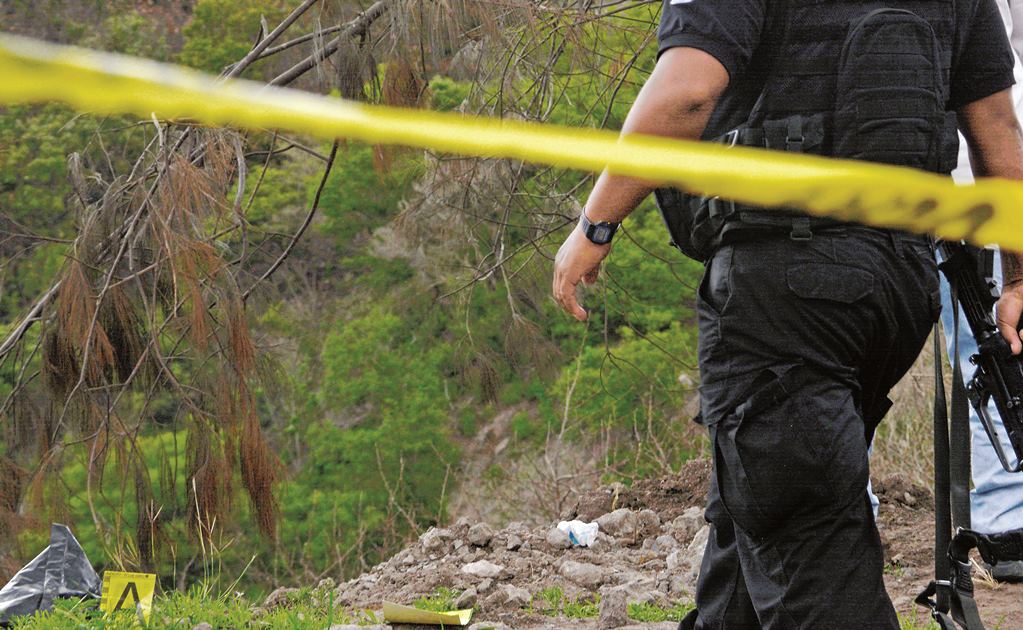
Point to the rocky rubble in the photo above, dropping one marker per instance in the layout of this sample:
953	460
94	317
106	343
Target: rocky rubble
640	556
651	541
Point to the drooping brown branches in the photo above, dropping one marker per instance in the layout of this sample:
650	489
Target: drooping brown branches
148	313
146	329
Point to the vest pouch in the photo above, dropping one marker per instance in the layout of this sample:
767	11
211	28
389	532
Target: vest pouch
694	222
693	228
890	96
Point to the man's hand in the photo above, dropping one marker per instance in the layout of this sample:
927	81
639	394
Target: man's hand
577	260
1007	314
1010	305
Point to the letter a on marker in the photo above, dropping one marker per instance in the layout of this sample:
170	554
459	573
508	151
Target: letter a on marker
133	590
128	591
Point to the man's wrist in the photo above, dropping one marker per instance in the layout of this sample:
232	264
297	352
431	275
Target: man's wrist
596	231
1012	269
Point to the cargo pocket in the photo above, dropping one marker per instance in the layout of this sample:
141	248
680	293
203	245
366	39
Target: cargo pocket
796	444
829	281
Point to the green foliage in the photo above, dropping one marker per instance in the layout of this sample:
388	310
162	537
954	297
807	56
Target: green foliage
651	285
448	94
648	612
308	609
378	274
223	31
33	163
914	622
385	438
383	377
113	497
281	194
35	142
553	602
359	195
132	34
616	385
594	89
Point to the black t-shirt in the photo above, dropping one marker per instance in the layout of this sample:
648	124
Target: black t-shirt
733	32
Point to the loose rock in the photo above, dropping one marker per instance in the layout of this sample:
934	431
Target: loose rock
483	569
690	560
480	534
279	597
326	584
583	573
558	539
510	596
435	539
614	610
514	543
515	596
623	523
649	521
467	599
684	527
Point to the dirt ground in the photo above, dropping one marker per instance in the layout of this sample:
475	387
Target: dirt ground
906	518
651	541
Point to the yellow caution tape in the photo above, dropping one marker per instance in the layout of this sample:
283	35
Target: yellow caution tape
128	591
989	212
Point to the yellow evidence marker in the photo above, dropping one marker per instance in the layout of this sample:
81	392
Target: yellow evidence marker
396	613
132	591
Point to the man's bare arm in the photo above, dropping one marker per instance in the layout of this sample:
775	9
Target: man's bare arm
676	101
993	132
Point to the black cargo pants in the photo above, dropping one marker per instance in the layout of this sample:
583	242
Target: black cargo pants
800	342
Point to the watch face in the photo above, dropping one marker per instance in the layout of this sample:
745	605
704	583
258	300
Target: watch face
602	234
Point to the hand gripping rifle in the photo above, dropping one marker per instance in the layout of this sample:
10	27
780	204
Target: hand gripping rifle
998	378
999	373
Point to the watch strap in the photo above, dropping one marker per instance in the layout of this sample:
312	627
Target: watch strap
599	233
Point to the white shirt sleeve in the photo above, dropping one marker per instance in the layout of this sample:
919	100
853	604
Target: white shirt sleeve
1015	27
1012	17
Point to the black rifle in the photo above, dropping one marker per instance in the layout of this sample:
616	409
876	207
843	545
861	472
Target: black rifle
999	373
998	378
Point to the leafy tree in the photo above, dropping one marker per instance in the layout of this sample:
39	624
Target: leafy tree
132	34
222	31
384	442
364	189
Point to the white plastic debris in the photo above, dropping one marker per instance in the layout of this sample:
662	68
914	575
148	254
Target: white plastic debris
580	533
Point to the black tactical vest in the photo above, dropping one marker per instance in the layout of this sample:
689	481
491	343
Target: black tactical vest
865	80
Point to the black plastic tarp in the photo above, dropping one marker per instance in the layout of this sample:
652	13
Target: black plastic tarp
61	570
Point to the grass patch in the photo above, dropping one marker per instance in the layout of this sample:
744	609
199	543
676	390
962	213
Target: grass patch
307	609
442	600
914	622
651	613
554	603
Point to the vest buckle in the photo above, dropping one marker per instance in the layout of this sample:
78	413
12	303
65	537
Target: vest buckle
801	229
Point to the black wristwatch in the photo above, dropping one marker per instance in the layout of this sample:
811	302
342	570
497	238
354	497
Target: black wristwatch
599	233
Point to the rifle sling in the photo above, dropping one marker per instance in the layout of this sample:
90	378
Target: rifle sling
953	606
